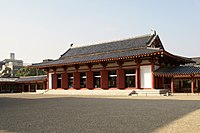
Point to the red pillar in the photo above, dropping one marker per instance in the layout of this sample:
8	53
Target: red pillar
156	82
35	86
54	81
47	83
64	81
137	79
90	80
160	82
22	87
192	86
172	85
76	81
43	85
152	76
198	84
120	79
29	87
104	79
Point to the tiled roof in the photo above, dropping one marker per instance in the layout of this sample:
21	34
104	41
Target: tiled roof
178	70
8	79
136	42
105	51
31	79
103	56
122	49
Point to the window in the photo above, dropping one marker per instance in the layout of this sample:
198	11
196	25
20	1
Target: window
83	80
187	83
59	78
70	80
112	79
40	86
130	78
32	87
97	79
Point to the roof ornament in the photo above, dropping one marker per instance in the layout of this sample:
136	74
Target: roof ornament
67	50
71	45
153	32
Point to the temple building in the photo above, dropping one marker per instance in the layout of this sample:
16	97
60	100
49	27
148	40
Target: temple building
23	84
135	64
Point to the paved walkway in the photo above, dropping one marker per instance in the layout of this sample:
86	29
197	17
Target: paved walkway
29	113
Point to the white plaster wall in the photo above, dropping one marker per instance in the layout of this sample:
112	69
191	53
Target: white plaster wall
51	71
129	63
50	80
59	69
145	62
145	76
112	65
71	69
96	66
83	67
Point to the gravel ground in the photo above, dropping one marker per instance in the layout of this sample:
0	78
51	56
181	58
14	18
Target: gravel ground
60	114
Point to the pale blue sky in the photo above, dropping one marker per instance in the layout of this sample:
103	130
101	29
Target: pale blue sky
41	29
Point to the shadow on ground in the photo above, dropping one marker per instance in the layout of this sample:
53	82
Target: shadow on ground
90	115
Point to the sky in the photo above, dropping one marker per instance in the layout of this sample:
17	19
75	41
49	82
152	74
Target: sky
44	29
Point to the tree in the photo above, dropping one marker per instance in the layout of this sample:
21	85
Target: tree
6	72
26	71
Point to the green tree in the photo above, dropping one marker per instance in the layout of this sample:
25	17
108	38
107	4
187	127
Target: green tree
26	71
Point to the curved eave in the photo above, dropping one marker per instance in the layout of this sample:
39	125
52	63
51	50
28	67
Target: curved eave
178	74
178	58
96	61
32	81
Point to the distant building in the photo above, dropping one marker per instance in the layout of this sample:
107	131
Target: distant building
197	60
9	82
23	84
9	67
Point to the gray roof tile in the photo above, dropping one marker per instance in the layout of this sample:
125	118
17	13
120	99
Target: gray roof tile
109	46
105	51
8	79
104	56
178	70
31	78
116	49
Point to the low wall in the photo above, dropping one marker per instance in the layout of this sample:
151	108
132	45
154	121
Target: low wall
40	91
91	92
137	92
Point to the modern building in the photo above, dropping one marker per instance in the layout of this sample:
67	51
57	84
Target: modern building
9	67
9	82
134	64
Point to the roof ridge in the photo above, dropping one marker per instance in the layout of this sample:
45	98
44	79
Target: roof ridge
100	53
123	39
33	76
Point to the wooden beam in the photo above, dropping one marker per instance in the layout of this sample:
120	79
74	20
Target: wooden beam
104	64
